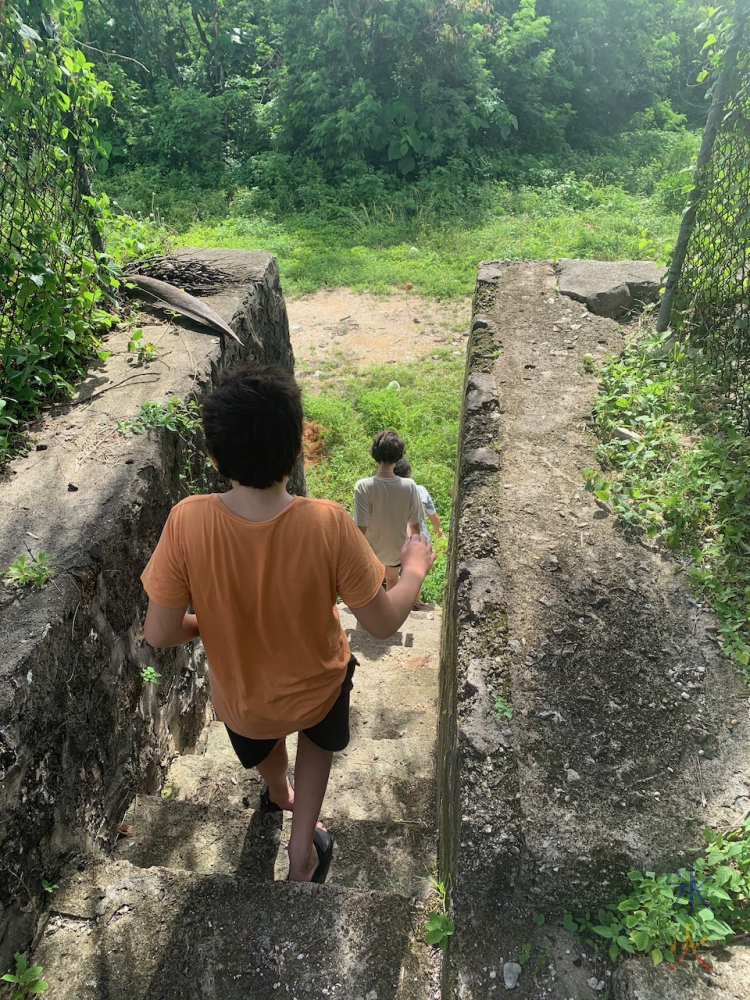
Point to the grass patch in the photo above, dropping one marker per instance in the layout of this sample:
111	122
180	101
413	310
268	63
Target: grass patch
675	462
378	249
421	401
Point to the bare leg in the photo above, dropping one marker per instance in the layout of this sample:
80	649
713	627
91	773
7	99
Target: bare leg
391	577
311	771
273	771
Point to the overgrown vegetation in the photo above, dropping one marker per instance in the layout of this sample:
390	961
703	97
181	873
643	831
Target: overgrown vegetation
378	247
421	401
362	102
51	276
670	916
675	463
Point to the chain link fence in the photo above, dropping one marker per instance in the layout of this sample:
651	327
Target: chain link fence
48	233
712	293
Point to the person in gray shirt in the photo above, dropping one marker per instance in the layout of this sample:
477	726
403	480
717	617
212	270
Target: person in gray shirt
386	507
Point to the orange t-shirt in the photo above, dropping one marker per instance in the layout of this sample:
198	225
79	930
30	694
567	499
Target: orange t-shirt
265	596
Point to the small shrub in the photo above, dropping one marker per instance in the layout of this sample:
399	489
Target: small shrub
667	916
28	571
27	979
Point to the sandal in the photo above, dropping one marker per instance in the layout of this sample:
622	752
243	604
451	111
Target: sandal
323	843
266	806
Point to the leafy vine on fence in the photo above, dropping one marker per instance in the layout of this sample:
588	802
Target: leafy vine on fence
53	269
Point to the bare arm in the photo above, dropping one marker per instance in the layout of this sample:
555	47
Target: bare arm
435	522
165	627
388	610
413	529
362	528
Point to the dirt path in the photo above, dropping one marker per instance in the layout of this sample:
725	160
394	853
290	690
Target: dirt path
361	328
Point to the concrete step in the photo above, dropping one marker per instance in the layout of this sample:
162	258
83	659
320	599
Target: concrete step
380	805
118	932
389	856
374	778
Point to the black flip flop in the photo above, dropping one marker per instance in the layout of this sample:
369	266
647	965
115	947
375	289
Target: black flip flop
266	806
323	843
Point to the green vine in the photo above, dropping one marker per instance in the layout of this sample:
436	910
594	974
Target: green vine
53	272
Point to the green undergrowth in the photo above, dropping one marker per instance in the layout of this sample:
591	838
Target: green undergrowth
675	462
195	470
421	401
671	916
379	248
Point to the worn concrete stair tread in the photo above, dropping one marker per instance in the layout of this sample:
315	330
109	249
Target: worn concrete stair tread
368	854
385	779
118	932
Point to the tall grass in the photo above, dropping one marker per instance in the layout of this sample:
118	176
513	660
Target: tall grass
421	401
377	248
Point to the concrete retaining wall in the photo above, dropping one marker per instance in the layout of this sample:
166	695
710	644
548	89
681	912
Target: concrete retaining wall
627	733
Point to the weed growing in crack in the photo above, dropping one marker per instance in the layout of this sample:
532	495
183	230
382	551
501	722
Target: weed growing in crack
675	462
49	886
149	675
663	917
503	710
174	415
144	352
28	571
438	929
27	978
438	925
543	960
183	419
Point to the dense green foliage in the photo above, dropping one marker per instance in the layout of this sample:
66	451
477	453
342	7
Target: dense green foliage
681	470
51	278
421	401
306	102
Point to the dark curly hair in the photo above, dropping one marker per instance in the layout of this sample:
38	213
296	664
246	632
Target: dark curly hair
387	446
253	424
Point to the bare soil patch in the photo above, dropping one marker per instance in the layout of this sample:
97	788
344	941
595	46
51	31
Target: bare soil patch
313	443
338	325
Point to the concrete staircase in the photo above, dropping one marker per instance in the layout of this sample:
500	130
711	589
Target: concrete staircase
193	902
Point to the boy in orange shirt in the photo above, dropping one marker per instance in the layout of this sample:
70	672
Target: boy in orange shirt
262	570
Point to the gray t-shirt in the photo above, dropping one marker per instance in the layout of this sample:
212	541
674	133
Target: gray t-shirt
428	507
386	506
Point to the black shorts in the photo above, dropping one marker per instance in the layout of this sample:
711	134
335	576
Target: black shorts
331	733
